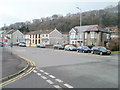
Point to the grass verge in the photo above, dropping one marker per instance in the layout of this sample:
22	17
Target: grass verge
115	52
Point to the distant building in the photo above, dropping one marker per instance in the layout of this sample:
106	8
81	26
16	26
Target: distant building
55	37
47	37
1	31
65	36
88	35
33	38
114	32
15	36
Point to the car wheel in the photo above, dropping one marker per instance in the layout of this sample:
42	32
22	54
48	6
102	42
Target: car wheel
77	50
92	52
101	53
83	51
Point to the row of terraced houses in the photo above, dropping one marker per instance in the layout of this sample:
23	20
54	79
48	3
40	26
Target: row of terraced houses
79	35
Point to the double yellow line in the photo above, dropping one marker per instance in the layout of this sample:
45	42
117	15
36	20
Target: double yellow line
22	74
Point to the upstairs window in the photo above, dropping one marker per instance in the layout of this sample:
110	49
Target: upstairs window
93	34
72	35
86	35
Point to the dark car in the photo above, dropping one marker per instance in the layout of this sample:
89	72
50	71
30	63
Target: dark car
84	49
41	45
60	47
100	50
70	48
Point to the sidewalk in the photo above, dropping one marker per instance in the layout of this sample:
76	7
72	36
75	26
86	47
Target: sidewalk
11	63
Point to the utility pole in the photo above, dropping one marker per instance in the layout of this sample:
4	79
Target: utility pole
80	15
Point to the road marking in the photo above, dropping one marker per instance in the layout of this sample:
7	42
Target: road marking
56	86
69	86
41	71
51	76
43	77
49	81
35	71
46	73
38	74
58	80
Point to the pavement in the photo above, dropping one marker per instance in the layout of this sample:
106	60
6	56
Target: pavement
11	63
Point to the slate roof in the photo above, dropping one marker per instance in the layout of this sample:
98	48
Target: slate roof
89	28
40	32
34	32
11	31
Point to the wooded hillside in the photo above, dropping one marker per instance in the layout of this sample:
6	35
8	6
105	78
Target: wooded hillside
105	17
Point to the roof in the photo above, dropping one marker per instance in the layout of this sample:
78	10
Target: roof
89	28
46	31
34	32
11	31
40	32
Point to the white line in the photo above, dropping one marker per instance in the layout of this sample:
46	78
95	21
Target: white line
43	77
49	81
58	80
41	71
56	86
52	76
34	71
38	74
69	86
46	73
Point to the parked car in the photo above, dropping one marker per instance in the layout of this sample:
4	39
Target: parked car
22	44
41	45
100	50
70	48
83	49
60	47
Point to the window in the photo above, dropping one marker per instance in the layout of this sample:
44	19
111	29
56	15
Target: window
72	35
35	41
93	35
30	36
43	35
72	42
16	36
17	40
46	35
85	35
108	36
39	35
80	35
36	36
39	41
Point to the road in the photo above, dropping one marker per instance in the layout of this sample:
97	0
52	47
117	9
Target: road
67	69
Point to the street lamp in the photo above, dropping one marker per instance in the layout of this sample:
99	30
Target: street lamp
80	15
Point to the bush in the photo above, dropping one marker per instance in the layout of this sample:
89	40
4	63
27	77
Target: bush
114	45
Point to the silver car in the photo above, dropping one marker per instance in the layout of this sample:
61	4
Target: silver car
70	48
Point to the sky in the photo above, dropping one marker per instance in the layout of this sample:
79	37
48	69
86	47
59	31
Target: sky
12	11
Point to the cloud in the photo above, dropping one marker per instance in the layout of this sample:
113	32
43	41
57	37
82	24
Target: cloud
6	10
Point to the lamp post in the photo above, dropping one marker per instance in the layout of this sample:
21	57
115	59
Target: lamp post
80	15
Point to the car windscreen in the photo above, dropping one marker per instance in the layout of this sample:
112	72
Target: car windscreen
103	48
85	47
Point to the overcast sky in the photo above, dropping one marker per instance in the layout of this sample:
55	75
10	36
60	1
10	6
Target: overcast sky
12	11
